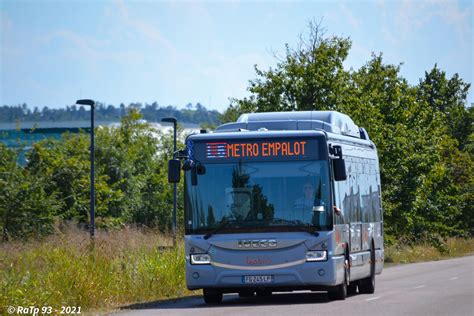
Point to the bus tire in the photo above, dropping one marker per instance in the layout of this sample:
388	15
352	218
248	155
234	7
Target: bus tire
339	292
367	285
352	288
212	296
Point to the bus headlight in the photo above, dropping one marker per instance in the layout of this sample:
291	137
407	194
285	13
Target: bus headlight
318	255
200	258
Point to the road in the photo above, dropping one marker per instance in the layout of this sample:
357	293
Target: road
429	288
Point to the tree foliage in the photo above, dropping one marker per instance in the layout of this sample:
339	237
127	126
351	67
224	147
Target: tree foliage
26	209
131	181
196	114
423	133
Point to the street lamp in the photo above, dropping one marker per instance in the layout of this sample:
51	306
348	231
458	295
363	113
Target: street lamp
175	123
91	103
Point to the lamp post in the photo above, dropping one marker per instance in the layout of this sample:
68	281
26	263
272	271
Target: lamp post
91	103
175	123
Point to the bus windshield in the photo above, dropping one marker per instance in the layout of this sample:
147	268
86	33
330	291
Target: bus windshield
259	197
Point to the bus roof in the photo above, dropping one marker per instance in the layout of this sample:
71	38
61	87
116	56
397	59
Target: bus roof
328	121
246	134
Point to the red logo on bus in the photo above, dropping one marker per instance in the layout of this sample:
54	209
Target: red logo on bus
258	260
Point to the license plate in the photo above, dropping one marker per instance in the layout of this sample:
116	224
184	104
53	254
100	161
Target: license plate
257	279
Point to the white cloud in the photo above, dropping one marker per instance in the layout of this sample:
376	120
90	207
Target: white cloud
107	46
229	76
142	28
415	14
86	47
5	30
359	55
5	22
390	37
199	10
403	21
349	16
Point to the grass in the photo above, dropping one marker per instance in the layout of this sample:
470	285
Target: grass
125	267
424	251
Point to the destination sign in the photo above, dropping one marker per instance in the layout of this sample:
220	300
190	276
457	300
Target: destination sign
255	150
266	149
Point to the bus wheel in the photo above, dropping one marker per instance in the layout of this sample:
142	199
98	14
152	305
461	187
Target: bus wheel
212	296
352	288
339	292
367	285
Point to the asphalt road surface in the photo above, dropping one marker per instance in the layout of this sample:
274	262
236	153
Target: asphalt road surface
430	288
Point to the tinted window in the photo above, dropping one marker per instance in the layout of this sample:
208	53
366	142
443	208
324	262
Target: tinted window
358	196
260	196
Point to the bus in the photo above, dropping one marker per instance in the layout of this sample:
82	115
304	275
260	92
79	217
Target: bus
281	201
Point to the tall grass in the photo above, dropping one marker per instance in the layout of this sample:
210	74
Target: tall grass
122	267
425	251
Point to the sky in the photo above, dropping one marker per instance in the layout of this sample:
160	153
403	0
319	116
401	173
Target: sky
180	52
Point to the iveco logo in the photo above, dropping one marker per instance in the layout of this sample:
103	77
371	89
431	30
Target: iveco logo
257	243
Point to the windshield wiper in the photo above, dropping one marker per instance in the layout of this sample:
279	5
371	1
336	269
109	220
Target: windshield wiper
287	221
297	224
222	225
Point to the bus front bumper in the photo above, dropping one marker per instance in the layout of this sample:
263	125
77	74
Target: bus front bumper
301	275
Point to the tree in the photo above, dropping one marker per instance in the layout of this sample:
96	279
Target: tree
448	96
426	180
311	77
151	112
131	182
26	209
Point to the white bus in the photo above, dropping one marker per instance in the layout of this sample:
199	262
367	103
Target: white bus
280	202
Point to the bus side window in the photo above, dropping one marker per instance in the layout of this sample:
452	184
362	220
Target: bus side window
358	196
338	219
349	197
346	192
370	188
340	201
375	194
365	195
378	206
354	193
339	193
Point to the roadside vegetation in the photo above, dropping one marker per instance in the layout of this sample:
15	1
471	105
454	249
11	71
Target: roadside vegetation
423	133
126	267
65	269
401	252
424	136
130	175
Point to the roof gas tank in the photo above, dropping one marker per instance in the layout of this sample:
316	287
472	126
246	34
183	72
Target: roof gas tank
343	122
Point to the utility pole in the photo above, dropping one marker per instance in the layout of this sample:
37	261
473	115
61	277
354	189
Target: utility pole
175	123
91	103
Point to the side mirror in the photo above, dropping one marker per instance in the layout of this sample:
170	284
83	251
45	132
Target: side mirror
339	166
194	179
174	170
188	165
